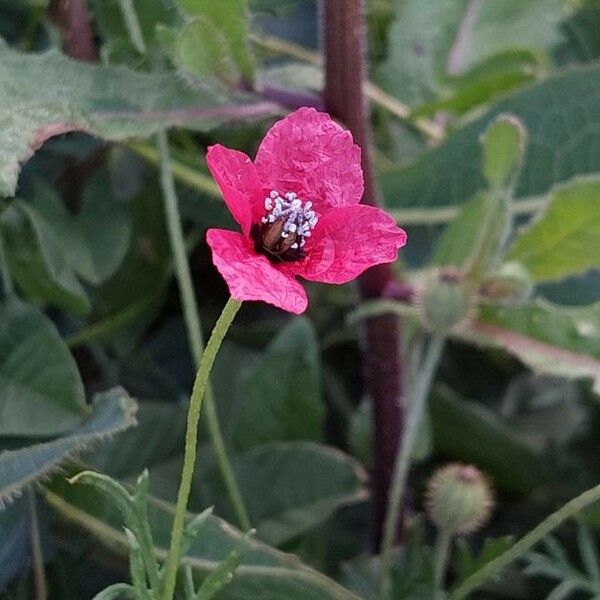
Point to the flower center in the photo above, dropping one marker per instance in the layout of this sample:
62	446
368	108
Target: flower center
287	223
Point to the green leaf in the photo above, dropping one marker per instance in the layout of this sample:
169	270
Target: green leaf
48	94
565	239
158	437
419	41
117	591
502	26
201	49
230	19
284	488
562	119
264	573
548	339
469	562
113	411
466	431
280	396
41	393
37	262
503	149
14	532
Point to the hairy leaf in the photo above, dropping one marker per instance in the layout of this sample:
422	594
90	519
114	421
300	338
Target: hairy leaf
113	411
48	94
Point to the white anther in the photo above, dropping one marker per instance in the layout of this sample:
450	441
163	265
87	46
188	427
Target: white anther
274	194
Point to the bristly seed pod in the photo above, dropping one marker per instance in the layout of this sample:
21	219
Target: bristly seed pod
459	499
446	301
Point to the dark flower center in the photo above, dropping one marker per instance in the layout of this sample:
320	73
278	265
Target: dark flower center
282	232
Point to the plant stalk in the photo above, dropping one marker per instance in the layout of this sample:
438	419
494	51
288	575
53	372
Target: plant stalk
191	443
443	544
194	328
345	77
416	408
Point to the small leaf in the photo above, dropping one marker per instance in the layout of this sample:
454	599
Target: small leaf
224	573
280	396
565	239
113	411
41	393
503	150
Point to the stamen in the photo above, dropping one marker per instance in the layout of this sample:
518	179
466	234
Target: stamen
287	223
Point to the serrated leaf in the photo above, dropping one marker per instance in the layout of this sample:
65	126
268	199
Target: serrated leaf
547	338
112	412
279	398
284	488
48	94
41	393
565	239
264	573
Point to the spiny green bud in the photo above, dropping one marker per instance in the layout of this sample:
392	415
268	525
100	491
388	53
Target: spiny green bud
512	283
503	150
446	301
459	498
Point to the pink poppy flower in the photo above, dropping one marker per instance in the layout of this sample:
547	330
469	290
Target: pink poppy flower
298	208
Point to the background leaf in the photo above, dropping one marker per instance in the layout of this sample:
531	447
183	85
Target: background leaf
48	94
41	393
565	239
279	398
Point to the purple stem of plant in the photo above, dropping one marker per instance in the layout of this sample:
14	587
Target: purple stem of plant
73	18
291	99
345	72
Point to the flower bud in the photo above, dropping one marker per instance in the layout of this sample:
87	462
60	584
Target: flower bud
458	499
446	301
510	284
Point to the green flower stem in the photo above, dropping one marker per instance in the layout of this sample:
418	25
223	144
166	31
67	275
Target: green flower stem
416	408
443	545
191	442
527	542
194	328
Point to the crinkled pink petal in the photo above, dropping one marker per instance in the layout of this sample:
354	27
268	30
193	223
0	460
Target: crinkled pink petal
349	240
238	181
311	155
250	276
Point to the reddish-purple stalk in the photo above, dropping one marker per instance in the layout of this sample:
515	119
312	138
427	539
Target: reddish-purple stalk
73	18
345	73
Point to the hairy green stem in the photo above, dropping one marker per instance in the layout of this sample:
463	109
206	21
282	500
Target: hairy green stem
133	25
443	544
194	328
418	392
191	442
37	558
527	542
